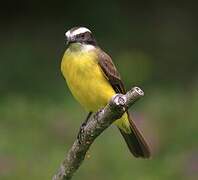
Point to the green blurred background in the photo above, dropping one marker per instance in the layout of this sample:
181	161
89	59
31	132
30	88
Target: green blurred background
154	46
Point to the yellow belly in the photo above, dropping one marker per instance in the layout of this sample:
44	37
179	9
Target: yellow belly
87	82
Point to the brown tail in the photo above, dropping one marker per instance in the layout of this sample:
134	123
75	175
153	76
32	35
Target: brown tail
135	141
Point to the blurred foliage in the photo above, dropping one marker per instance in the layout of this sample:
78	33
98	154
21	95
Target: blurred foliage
154	46
163	36
35	134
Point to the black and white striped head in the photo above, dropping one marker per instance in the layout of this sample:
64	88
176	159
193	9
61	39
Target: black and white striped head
80	35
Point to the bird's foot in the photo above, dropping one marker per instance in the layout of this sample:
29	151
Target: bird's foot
82	127
81	132
97	114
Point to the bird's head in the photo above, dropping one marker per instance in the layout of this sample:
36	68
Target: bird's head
80	35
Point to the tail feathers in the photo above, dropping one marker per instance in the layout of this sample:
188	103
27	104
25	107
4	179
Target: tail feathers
135	141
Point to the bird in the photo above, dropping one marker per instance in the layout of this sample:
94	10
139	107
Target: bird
93	80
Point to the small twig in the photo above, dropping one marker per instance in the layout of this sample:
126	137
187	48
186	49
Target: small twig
94	127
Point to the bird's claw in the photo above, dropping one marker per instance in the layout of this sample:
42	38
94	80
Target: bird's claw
81	132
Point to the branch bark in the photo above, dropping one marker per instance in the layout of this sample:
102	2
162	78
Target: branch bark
97	123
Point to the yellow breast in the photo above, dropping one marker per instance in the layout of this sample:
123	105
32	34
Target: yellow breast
86	80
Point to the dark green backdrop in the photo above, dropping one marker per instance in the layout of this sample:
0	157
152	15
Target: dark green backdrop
154	46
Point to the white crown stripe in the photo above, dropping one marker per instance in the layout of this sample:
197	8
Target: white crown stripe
77	31
80	31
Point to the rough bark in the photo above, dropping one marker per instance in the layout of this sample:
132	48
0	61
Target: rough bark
93	128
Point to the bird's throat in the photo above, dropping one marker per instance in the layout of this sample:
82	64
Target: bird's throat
80	47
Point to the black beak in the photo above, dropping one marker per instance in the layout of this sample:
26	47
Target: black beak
70	40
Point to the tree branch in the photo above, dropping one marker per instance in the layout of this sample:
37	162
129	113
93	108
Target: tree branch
101	120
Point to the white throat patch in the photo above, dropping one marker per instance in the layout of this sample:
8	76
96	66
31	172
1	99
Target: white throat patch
88	47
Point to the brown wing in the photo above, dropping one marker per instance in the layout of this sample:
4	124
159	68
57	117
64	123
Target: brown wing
135	141
111	72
